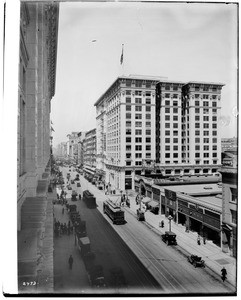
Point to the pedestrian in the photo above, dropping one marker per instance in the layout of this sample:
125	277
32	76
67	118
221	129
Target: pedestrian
204	240
198	240
224	274
71	260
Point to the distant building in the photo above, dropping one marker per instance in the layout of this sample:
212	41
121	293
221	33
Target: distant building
229	144
89	150
80	156
229	209
72	145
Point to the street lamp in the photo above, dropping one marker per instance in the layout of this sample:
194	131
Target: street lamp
170	218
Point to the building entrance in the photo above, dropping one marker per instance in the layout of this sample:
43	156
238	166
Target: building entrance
181	219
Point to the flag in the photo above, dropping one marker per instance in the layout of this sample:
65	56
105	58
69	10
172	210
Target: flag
121	58
52	129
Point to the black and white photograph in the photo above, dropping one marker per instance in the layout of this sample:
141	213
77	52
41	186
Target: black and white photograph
120	148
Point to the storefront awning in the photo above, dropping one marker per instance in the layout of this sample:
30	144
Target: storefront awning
146	200
153	203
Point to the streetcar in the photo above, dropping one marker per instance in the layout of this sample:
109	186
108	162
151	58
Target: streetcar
114	212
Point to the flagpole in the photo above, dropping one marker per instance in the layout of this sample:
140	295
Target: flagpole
122	61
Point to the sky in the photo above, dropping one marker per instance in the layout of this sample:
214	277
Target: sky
181	41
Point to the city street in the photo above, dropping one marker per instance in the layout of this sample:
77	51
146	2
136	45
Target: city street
167	265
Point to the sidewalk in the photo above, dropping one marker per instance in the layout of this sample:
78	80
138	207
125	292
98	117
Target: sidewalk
214	258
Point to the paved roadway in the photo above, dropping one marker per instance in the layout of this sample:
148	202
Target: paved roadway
169	267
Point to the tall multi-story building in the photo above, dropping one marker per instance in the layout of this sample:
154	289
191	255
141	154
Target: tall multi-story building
37	71
229	144
80	158
72	145
126	129
89	153
187	134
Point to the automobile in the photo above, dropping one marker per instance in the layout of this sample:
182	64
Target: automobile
197	261
169	238
72	181
77	179
69	187
78	184
74	195
140	215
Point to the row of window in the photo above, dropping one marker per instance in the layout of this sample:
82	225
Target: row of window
138	147
138	132
138	140
206	103
197	140
138	116
174	96
138	108
206	154
138	100
206	133
205	96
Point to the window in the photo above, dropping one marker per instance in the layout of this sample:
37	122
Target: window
197	118
197	154
138	93
215	132
206	118
234	194
148	147
175	118
196	96
128	92
148	101
206	162
128	82
138	140
128	140
167	132
175	155
138	116
128	99
197	140
215	147
128	115
138	163
148	155
214	118
167	95
128	147
175	96
197	88
206	140
167	140
138	132
148	116
214	111
128	107
206	154
138	155
167	87
128	172
128	155
196	171
167	110
175	148
206	148
148	124
205	96
197	147
128	163
175	125
138	147
214	140
175	132
167	102
214	125
167	148
175	140
205	111
214	104
206	133
234	216
175	87
167	125
167	118
128	131
206	88
148	108
167	155
215	154
196	103
175	110
148	132
197	110
205	125
138	124
128	123
197	125
197	132
148	94
214	89
214	96
175	103
138	100
138	108
148	140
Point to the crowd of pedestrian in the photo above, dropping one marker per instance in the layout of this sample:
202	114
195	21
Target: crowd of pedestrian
62	228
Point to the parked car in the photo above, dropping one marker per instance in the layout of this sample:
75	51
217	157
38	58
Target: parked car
78	184
197	261
169	238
